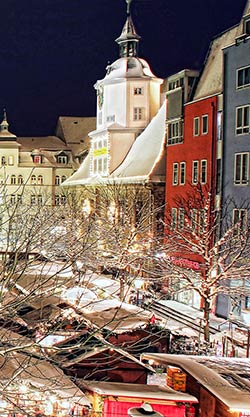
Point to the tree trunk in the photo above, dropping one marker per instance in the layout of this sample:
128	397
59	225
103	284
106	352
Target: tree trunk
206	320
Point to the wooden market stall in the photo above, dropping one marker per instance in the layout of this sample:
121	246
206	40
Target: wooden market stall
222	385
112	399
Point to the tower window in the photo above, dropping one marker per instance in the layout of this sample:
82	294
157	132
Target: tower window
138	113
138	91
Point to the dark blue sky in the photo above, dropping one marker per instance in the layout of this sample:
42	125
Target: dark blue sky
53	51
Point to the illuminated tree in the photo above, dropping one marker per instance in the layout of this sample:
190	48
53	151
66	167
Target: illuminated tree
207	251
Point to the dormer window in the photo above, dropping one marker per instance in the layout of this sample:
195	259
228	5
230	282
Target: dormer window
37	159
62	159
247	26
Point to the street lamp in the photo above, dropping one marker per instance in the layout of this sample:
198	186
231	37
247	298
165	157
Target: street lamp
144	410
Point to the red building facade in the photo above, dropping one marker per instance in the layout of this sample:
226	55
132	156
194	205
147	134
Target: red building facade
191	176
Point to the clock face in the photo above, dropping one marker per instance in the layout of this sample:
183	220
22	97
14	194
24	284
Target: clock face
100	96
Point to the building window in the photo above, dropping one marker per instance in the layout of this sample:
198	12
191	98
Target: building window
62	159
13	179
241	168
202	221
19	198
181	217
182	173
40	180
204	119
173	218
174	132
195	172
138	113
138	91
175	173
111	118
3	161
242	120
20	180
63	178
57	180
63	199
39	200
203	171
247	26
13	199
57	200
239	220
33	179
193	219
243	77
37	159
33	200
196	127
11	160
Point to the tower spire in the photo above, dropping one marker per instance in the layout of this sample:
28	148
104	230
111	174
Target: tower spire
128	40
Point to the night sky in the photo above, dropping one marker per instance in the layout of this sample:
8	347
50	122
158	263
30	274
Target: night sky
53	51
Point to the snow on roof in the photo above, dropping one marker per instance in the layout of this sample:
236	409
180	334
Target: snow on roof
145	160
210	81
145	152
228	379
128	67
37	371
156	392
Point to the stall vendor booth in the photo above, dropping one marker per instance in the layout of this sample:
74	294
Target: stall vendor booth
112	399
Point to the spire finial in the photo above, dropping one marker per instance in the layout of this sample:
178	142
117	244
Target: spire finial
128	6
4	114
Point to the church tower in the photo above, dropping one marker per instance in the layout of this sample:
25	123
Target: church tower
128	97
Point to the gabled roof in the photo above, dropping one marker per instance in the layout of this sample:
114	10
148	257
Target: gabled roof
211	78
156	392
228	379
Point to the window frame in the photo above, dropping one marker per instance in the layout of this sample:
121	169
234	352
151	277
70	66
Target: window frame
244	84
138	113
175	173
243	128
174	218
195	171
239	170
203	179
203	118
196	128
182	173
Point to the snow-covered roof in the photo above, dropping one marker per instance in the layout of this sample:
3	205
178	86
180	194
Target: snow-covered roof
141	391
19	367
228	379
144	162
210	81
128	67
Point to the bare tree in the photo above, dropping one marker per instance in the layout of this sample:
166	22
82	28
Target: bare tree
206	250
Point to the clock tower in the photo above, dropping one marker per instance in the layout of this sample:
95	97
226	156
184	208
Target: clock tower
128	97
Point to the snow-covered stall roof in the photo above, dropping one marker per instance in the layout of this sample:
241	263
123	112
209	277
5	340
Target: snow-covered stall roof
144	162
33	369
228	379
142	391
211	78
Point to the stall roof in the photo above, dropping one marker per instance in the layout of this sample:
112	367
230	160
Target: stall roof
228	379
157	392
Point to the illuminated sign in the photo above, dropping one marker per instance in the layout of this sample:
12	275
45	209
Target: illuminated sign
185	263
100	152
